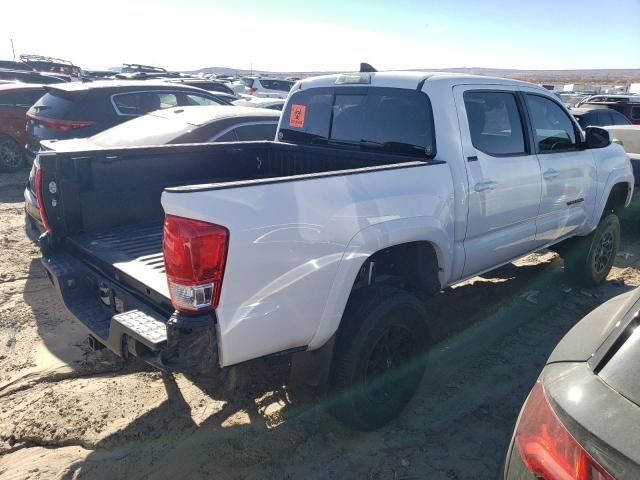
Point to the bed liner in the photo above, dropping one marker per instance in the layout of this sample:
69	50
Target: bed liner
135	250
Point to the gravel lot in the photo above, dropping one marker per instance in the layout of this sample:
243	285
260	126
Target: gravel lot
67	412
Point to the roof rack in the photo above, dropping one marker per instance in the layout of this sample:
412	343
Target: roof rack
138	67
26	57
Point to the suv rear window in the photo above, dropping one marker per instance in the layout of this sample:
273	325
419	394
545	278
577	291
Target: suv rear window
54	104
280	85
393	120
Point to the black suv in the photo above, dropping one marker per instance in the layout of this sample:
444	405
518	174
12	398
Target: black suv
76	109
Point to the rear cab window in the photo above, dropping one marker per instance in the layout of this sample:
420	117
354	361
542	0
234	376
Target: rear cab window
389	120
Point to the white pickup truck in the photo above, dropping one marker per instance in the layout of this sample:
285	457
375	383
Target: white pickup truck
380	190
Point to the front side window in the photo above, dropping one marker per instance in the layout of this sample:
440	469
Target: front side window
635	113
494	123
391	120
199	100
553	129
139	103
259	131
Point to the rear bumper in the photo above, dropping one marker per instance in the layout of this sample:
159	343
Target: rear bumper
127	325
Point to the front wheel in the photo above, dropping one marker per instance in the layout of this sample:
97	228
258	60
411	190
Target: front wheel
379	357
590	261
11	154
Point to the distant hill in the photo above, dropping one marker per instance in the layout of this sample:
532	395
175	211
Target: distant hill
598	76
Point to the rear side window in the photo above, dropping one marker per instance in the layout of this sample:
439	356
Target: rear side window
554	130
248	82
391	120
603	119
635	113
619	119
20	99
494	123
248	133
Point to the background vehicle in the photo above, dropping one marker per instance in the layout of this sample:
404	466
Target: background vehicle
383	189
74	110
581	418
15	100
613	98
208	85
620	127
264	87
598	116
63	68
203	124
257	102
29	76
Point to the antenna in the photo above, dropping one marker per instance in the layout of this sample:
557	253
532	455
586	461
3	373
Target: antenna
366	68
13	49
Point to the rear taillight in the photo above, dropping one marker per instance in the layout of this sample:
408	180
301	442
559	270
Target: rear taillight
38	187
547	448
60	125
195	254
252	90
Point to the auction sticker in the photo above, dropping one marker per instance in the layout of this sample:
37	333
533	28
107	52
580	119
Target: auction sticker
296	119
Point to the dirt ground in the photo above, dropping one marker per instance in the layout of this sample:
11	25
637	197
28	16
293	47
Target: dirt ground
68	412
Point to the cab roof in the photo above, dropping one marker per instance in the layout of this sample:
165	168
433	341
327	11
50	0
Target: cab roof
411	79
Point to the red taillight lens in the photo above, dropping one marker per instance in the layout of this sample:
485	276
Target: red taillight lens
60	125
195	255
43	215
547	448
252	91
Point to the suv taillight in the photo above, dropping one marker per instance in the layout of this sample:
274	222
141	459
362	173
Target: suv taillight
252	90
549	451
60	125
38	192
195	254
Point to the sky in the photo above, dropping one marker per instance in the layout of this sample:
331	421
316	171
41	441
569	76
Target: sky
304	35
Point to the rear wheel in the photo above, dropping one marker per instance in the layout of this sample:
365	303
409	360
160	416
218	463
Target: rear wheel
379	357
11	154
590	260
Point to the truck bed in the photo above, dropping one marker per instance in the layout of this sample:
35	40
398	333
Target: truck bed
134	250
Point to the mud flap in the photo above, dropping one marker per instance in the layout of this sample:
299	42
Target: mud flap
191	344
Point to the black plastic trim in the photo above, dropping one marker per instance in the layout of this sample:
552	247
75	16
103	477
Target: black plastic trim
295	178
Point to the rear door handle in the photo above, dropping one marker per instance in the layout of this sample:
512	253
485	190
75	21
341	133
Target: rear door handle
550	174
484	186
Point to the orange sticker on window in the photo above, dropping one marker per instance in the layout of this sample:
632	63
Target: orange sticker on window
296	119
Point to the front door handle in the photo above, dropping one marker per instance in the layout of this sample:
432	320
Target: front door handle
550	174
484	186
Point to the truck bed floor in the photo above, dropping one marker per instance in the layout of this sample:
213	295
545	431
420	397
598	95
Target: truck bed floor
135	250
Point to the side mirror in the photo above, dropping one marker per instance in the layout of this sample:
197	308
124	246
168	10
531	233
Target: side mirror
596	137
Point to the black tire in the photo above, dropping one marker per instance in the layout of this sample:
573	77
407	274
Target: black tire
379	357
589	262
11	154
